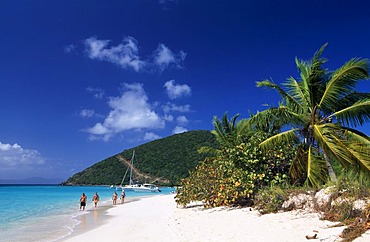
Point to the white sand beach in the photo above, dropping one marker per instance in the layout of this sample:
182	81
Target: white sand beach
158	219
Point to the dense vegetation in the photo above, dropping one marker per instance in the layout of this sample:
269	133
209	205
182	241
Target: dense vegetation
308	139
163	161
238	169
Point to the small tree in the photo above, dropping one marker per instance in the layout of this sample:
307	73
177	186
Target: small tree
319	111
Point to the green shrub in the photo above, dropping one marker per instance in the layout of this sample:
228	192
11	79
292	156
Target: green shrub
216	182
236	174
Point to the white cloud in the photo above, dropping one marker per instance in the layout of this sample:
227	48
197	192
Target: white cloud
178	130
129	111
97	92
149	136
175	91
126	55
164	57
169	107
182	120
14	155
17	162
87	113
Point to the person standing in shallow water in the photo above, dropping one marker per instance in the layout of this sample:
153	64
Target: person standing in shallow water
95	199
123	195
83	199
114	198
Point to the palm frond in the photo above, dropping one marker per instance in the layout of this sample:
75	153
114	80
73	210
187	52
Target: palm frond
229	126
284	137
285	95
316	169
243	128
351	149
312	68
298	167
218	130
317	59
298	93
312	77
274	119
356	155
261	120
357	114
359	145
344	80
356	136
304	69
315	68
229	132
331	140
361	152
346	102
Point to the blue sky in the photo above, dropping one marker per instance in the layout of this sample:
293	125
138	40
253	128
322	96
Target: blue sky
84	80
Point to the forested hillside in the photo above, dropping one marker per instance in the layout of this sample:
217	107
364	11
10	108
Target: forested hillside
164	161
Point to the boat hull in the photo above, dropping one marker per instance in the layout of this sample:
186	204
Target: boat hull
140	188
145	190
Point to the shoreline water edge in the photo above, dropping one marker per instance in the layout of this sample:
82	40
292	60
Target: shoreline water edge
49	213
158	218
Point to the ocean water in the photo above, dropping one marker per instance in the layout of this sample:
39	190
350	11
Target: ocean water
49	213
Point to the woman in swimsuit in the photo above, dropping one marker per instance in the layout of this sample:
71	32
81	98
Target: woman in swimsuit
95	199
114	198
123	195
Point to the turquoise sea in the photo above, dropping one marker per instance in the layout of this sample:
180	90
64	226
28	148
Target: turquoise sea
49	213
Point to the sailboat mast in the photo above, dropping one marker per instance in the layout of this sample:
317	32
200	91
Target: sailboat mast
123	179
132	164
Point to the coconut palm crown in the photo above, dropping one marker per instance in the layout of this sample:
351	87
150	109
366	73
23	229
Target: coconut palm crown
320	112
230	133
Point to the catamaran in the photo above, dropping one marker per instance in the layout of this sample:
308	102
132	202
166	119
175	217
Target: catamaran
136	187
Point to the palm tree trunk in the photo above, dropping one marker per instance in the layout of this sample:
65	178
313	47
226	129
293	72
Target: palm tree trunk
331	172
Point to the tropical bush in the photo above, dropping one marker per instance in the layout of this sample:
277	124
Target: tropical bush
235	174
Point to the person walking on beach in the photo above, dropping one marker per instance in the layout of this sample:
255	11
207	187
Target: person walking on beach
123	195
83	199
95	199
114	198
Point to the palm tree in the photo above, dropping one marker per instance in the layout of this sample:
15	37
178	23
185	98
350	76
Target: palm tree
229	133
319	113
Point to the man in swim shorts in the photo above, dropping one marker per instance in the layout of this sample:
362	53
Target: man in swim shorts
83	201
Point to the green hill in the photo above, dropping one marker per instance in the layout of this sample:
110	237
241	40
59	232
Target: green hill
164	161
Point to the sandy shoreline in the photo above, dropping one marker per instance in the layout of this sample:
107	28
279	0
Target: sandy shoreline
158	219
